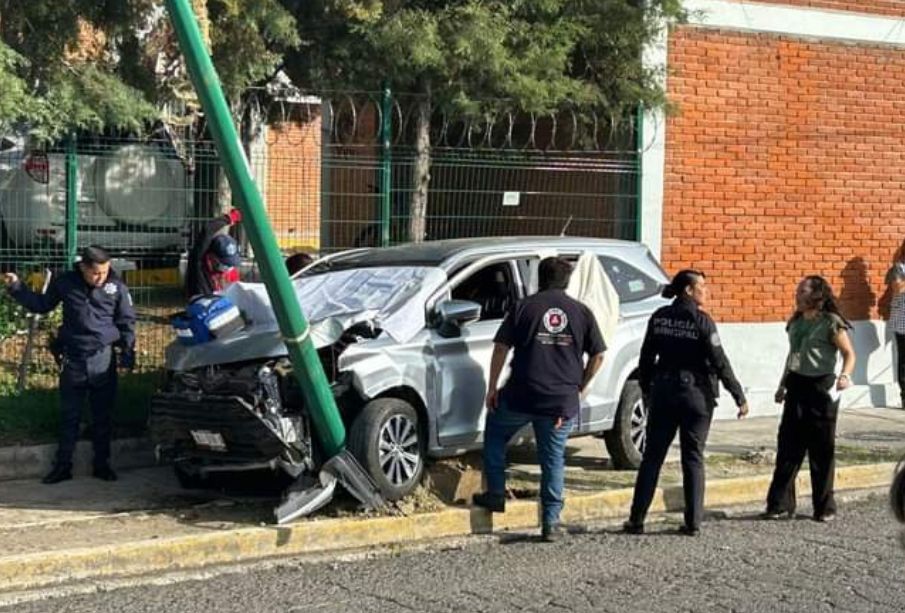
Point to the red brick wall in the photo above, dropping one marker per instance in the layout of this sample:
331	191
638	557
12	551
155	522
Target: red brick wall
294	178
876	7
786	158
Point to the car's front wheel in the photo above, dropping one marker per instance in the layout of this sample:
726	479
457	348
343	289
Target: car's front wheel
628	438
386	438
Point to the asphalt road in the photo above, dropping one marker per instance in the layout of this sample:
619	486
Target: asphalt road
736	564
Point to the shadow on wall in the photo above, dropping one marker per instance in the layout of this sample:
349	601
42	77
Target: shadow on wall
856	297
856	300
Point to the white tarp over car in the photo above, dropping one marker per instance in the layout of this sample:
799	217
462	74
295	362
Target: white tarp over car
591	285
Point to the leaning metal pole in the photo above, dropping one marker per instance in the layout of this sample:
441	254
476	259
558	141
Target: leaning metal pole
294	327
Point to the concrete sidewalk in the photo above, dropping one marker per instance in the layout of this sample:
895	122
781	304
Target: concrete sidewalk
144	522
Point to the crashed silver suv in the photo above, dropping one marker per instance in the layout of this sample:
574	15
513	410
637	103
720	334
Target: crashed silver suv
405	336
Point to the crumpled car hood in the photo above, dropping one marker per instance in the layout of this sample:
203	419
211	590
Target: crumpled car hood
391	298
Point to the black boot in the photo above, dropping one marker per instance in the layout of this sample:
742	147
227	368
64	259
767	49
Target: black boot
59	472
104	472
492	502
633	527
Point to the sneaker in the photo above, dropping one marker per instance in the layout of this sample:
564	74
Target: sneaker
105	473
689	530
631	527
491	502
552	534
57	474
825	518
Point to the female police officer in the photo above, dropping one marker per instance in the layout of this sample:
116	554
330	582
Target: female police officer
680	365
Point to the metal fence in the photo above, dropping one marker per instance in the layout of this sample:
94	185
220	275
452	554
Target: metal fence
336	171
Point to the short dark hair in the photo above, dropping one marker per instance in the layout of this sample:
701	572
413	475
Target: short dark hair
683	279
93	255
298	261
553	273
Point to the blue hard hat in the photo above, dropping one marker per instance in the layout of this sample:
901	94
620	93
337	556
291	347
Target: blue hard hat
226	250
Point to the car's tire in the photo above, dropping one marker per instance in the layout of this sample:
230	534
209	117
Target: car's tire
386	438
626	440
189	478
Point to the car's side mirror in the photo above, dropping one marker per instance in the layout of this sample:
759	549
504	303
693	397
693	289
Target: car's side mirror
453	314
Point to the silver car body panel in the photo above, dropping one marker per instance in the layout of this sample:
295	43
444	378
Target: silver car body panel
449	375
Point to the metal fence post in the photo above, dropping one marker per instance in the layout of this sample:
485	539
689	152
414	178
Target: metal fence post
386	164
639	169
72	199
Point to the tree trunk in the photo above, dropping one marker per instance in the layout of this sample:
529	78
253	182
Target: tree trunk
224	192
418	210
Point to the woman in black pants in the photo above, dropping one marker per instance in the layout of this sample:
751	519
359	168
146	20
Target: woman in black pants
818	334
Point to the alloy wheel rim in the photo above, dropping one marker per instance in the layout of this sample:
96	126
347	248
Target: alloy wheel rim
638	429
398	453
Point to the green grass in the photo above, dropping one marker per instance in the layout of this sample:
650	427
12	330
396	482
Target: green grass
33	416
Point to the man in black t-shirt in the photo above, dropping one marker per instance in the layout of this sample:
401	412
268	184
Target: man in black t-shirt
550	333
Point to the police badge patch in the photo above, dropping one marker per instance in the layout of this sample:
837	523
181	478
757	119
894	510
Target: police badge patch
110	288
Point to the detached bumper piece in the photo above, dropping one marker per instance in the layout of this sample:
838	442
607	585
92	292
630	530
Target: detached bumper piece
225	428
307	495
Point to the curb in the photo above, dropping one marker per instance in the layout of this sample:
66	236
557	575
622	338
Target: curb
30	571
34	461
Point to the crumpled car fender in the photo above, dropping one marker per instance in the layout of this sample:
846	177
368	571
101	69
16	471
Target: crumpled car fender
374	370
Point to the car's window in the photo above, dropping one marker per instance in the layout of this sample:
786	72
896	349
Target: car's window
631	284
492	287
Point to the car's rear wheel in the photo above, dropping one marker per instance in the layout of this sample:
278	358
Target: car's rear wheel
628	438
386	438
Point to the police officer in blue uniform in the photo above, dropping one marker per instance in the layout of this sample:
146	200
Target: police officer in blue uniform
97	316
681	365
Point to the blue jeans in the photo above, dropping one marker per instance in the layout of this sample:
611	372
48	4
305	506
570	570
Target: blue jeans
502	424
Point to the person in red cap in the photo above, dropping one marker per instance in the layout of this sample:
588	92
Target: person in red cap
214	259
